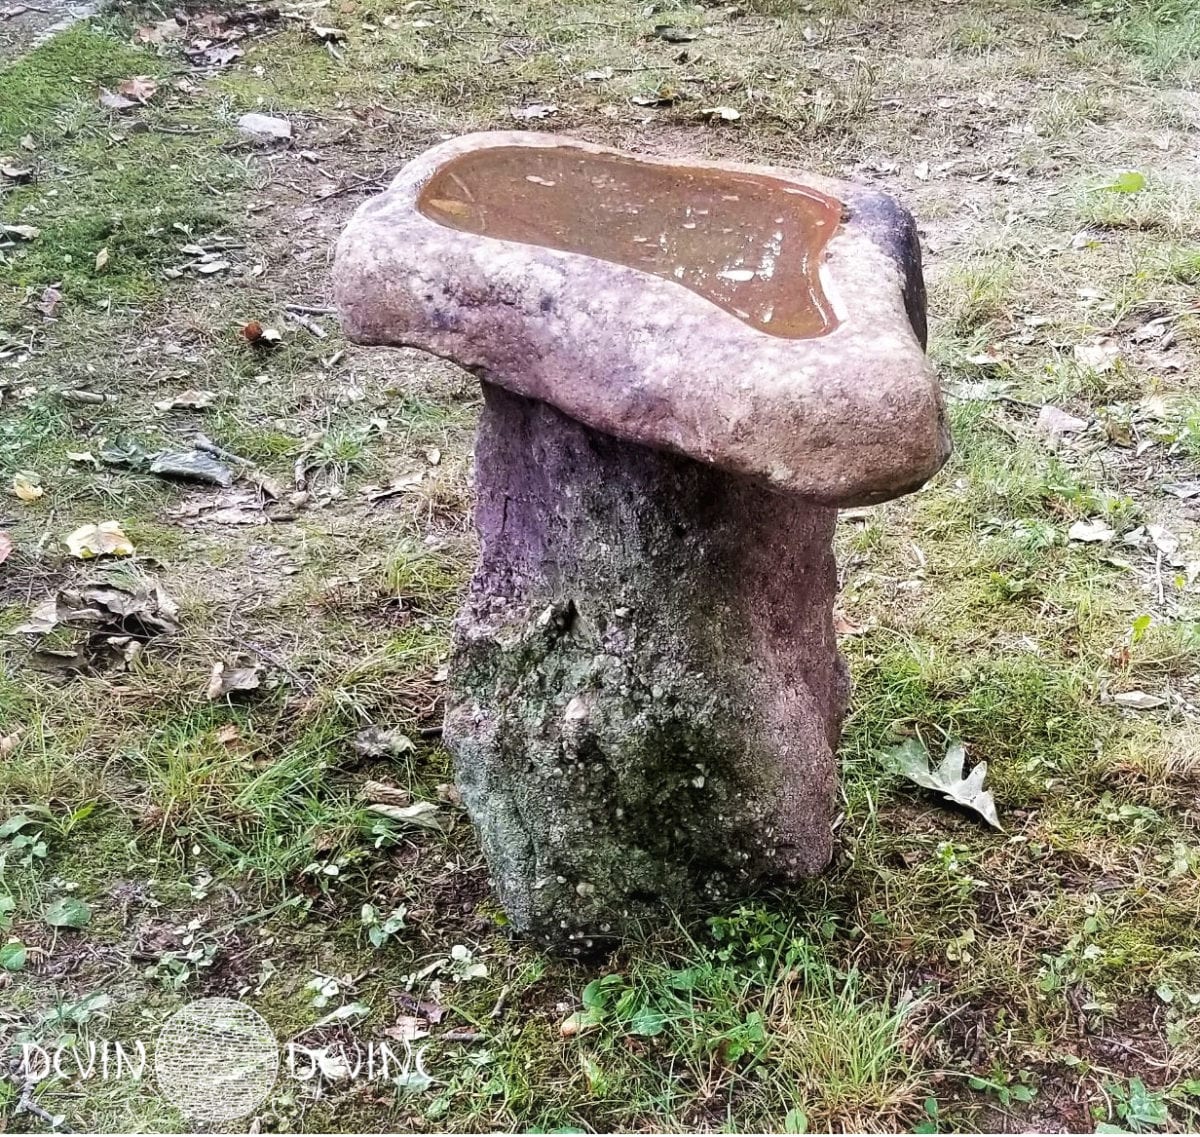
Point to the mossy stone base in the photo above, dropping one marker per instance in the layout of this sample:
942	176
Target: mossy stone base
645	691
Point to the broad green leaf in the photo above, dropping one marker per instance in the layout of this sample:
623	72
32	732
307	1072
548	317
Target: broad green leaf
1128	181
14	825
68	912
648	1022
12	956
796	1121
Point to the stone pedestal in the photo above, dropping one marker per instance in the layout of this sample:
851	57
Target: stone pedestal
645	691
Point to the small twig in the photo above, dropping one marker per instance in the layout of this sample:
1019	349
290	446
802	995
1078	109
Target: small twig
27	1104
91	398
460	1036
181	129
498	1009
305	322
203	442
310	310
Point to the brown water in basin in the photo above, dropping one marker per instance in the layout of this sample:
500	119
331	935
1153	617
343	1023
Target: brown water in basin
748	242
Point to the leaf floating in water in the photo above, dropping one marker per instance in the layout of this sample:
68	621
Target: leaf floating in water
913	761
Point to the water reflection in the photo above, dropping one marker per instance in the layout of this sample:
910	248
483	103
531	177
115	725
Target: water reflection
748	242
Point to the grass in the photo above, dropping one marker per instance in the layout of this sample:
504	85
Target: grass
940	976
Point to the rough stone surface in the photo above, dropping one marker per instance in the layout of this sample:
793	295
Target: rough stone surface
264	128
845	418
646	690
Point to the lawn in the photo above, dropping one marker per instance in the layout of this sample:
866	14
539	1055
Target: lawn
239	790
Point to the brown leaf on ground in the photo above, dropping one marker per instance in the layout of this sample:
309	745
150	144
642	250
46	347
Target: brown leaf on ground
140	88
326	35
1054	422
382	793
165	32
114	102
27	486
408	1028
187	400
224	680
114	623
1099	355
106	539
51	298
6	546
533	111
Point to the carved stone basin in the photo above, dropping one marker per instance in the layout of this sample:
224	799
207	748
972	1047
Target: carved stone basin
686	368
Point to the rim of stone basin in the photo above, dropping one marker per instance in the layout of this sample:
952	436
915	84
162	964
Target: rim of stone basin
850	416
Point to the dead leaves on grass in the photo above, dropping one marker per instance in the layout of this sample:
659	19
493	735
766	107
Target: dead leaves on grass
130	93
224	680
103	625
107	539
912	760
27	486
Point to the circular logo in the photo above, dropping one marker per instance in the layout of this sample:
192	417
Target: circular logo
216	1060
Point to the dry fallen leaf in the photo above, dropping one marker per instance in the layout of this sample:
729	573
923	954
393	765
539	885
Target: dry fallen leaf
422	814
1091	532
8	743
6	546
721	114
187	400
326	35
1139	700
140	87
50	300
1099	355
913	761
27	486
22	232
225	680
114	102
381	792
533	110
104	540
408	1028
102	259
1055	422
163	32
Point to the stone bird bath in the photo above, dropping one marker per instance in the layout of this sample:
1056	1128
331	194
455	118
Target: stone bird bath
687	369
